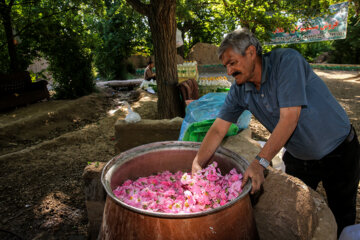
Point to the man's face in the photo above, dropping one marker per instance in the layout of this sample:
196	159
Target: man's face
240	67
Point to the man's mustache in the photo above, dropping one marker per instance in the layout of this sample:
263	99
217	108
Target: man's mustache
235	73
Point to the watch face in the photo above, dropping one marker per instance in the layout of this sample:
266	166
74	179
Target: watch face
264	163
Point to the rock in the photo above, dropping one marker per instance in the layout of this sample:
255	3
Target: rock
285	204
322	58
326	228
290	205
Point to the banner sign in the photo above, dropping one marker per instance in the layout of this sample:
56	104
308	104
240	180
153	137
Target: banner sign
329	27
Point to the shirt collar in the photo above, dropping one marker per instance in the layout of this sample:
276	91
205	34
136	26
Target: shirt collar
264	72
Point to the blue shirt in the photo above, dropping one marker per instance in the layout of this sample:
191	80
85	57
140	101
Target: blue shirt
287	80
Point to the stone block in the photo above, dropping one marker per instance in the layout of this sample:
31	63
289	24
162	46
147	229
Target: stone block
95	196
130	135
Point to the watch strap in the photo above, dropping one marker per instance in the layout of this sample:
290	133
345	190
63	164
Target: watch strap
263	162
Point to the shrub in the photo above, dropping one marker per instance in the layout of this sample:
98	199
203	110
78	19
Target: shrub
70	67
347	51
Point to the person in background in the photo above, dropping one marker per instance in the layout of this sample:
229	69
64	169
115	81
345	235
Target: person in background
282	91
148	74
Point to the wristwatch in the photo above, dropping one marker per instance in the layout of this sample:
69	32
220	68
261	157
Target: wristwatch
263	162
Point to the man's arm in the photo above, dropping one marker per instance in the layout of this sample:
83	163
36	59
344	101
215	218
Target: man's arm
289	117
288	121
210	143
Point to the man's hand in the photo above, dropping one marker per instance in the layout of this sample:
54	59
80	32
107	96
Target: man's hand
289	117
256	172
210	143
195	167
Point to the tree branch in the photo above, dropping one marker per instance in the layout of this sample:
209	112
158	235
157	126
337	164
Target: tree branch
45	17
3	5
24	3
138	6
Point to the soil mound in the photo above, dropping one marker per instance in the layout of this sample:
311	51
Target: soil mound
46	120
204	53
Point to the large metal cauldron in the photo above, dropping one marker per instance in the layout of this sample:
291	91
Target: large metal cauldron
120	221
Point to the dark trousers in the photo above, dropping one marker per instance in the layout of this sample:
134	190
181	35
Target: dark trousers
339	172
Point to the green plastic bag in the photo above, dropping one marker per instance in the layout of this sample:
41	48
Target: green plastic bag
197	130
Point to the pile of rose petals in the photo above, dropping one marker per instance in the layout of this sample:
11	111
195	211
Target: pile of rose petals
181	192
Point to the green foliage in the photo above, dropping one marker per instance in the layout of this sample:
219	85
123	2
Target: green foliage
208	20
71	69
80	36
263	16
348	50
309	51
202	21
121	30
97	164
4	59
69	53
55	30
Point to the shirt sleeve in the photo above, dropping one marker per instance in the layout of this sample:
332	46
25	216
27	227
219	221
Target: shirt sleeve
231	109
292	72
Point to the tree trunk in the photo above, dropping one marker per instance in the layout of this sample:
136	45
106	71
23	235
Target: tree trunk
162	20
6	17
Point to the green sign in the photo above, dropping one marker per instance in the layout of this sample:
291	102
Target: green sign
329	27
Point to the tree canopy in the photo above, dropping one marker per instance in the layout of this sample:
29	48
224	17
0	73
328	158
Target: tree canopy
81	39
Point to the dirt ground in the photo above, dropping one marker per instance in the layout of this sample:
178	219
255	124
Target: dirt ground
45	147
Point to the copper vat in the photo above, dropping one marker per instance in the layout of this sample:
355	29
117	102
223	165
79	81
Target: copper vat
234	220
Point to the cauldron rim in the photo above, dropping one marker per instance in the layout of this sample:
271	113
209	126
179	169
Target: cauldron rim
128	155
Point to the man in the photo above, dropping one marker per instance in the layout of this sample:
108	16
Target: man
294	104
148	74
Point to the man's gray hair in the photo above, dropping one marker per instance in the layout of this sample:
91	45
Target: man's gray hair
239	41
